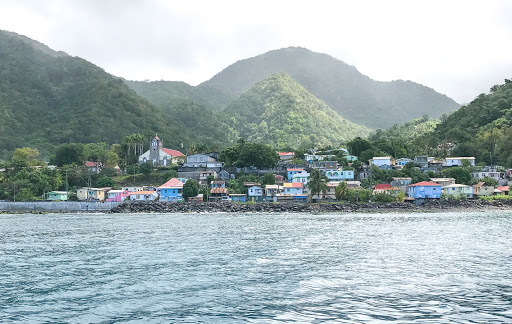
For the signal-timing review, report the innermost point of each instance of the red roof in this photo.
(91, 164)
(285, 153)
(173, 183)
(173, 153)
(383, 186)
(297, 169)
(503, 188)
(156, 137)
(425, 184)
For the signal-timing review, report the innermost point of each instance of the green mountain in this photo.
(49, 97)
(482, 128)
(341, 86)
(160, 93)
(281, 112)
(407, 132)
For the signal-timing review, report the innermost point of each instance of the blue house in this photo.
(255, 193)
(339, 175)
(171, 191)
(291, 172)
(293, 188)
(425, 190)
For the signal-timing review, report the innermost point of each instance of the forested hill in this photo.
(341, 86)
(482, 128)
(48, 98)
(160, 93)
(281, 112)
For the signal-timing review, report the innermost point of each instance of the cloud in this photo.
(459, 48)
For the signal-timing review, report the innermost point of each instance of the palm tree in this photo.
(317, 183)
(341, 191)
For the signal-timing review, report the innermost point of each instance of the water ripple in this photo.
(257, 268)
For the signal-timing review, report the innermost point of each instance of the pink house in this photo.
(118, 195)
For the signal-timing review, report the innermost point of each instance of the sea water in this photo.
(257, 268)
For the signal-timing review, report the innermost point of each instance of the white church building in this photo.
(158, 155)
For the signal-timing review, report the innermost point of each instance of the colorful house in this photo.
(218, 184)
(384, 188)
(57, 196)
(339, 175)
(424, 189)
(480, 189)
(92, 167)
(118, 195)
(171, 191)
(293, 188)
(403, 161)
(301, 177)
(91, 194)
(286, 155)
(143, 195)
(255, 193)
(458, 190)
(503, 190)
(238, 197)
(290, 172)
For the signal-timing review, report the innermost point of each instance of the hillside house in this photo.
(421, 161)
(425, 190)
(443, 181)
(301, 177)
(401, 183)
(203, 161)
(291, 171)
(284, 156)
(402, 161)
(383, 162)
(457, 161)
(157, 155)
(93, 167)
(339, 175)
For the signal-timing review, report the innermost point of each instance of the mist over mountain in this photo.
(353, 95)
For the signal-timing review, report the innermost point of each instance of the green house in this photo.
(58, 195)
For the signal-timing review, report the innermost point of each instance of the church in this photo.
(158, 155)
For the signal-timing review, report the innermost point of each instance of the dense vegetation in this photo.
(482, 128)
(280, 112)
(51, 99)
(352, 94)
(161, 93)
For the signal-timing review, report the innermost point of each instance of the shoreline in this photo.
(448, 205)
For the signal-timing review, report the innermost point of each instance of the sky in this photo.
(458, 48)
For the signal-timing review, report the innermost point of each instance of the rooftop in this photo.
(173, 153)
(293, 185)
(425, 184)
(173, 183)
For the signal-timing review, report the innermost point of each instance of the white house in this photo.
(301, 177)
(457, 161)
(202, 161)
(143, 195)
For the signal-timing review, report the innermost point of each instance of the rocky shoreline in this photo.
(227, 207)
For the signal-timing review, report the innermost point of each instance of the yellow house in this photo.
(91, 194)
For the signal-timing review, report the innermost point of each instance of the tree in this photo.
(490, 181)
(358, 145)
(146, 169)
(461, 175)
(69, 154)
(105, 181)
(268, 179)
(23, 157)
(341, 191)
(245, 154)
(190, 189)
(317, 183)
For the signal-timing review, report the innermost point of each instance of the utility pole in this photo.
(14, 184)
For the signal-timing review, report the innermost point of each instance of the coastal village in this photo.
(292, 177)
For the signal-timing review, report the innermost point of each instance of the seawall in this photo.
(57, 206)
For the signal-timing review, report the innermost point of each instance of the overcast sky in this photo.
(459, 48)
